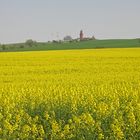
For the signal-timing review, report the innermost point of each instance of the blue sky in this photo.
(44, 20)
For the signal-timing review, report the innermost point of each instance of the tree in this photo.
(67, 38)
(30, 42)
(93, 37)
(3, 47)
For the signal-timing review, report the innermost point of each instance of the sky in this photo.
(44, 20)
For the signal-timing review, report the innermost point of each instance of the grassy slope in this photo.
(116, 43)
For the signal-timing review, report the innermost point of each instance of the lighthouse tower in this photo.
(81, 35)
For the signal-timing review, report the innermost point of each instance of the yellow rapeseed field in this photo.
(70, 95)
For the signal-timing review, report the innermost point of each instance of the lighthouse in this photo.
(81, 35)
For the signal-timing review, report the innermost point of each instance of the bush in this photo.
(21, 46)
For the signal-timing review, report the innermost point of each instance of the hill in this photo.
(90, 44)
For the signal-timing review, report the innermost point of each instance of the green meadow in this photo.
(91, 44)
